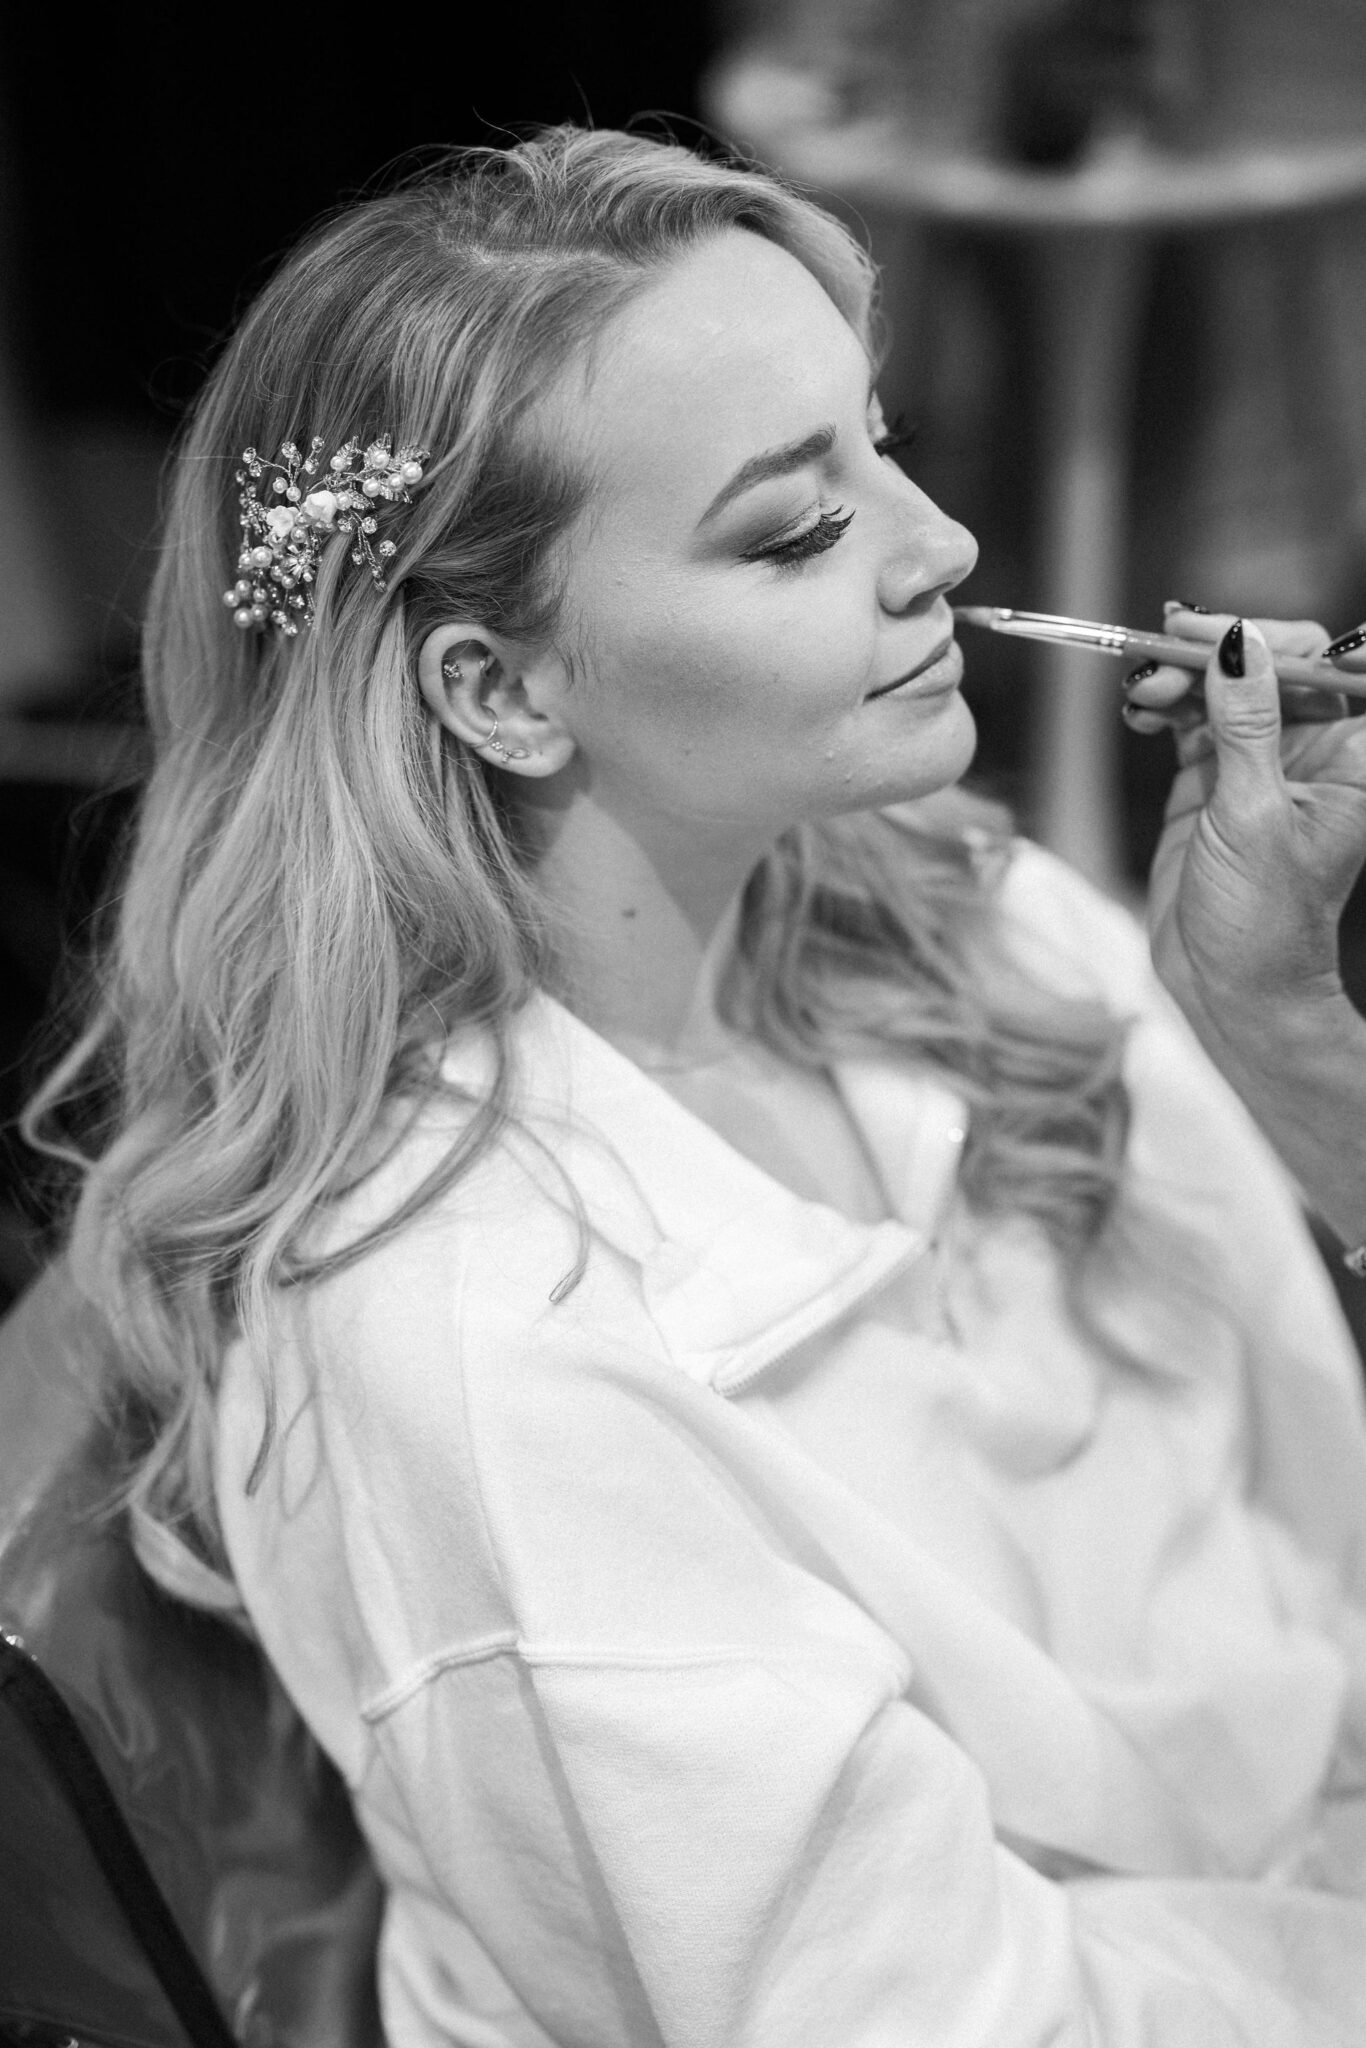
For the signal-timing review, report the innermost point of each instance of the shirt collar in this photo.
(736, 1269)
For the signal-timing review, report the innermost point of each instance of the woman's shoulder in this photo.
(473, 1203)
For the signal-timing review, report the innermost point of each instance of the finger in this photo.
(1348, 651)
(1301, 705)
(1177, 718)
(1243, 701)
(1304, 637)
(1194, 621)
(1155, 685)
(1146, 722)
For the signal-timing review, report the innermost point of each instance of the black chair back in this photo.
(179, 1867)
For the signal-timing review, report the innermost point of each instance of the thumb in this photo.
(1244, 705)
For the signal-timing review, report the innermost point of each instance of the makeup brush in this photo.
(1132, 645)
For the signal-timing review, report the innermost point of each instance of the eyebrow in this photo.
(773, 462)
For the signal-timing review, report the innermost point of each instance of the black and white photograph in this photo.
(683, 1026)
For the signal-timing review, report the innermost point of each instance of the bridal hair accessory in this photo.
(287, 522)
(451, 668)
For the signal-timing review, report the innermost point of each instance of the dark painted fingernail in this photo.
(1346, 643)
(1231, 650)
(1141, 673)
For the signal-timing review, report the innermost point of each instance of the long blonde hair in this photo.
(323, 885)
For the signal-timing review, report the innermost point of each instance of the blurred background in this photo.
(1125, 251)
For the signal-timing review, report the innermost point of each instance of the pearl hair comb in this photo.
(287, 523)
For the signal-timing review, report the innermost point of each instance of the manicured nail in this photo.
(1231, 650)
(1346, 643)
(1141, 673)
(1183, 604)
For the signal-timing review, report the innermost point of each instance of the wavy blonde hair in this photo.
(323, 884)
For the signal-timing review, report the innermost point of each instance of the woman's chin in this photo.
(901, 761)
(935, 755)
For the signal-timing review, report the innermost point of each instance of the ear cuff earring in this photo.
(495, 745)
(452, 669)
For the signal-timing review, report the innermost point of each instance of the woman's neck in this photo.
(644, 923)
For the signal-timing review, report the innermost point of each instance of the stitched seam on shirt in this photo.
(571, 1656)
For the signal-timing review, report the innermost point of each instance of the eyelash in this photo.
(901, 434)
(814, 541)
(830, 526)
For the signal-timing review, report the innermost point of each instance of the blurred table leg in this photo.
(1089, 288)
(38, 640)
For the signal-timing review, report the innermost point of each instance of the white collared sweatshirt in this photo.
(789, 1637)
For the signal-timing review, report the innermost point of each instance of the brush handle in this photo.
(1195, 654)
(1128, 644)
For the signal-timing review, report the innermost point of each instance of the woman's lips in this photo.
(942, 670)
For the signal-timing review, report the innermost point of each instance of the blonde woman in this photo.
(768, 1406)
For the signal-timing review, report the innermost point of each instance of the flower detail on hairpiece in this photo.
(288, 520)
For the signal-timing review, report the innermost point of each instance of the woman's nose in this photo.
(930, 554)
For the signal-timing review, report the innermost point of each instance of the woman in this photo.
(776, 1422)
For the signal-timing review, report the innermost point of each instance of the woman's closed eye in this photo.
(830, 526)
(800, 547)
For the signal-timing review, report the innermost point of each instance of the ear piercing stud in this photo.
(453, 671)
(453, 667)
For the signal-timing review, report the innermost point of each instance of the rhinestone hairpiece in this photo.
(287, 522)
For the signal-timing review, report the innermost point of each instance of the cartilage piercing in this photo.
(452, 669)
(495, 745)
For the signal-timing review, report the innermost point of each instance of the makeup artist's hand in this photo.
(1265, 828)
(1265, 834)
(1160, 699)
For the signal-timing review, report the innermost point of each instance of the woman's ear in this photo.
(474, 685)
